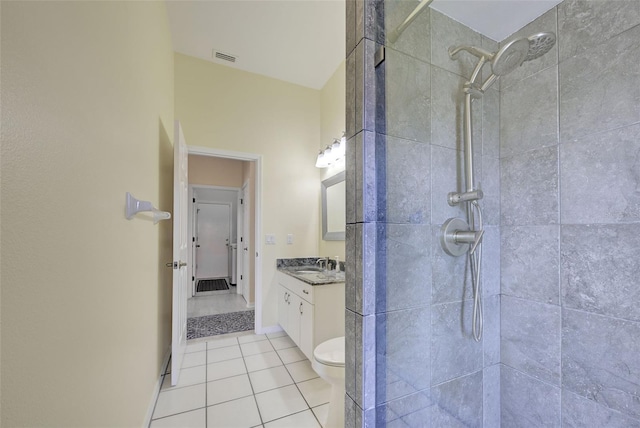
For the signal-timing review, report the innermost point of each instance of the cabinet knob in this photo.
(300, 308)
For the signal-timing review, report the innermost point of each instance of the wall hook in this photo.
(135, 206)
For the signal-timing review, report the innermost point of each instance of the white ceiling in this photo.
(303, 41)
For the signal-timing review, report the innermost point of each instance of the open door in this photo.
(180, 252)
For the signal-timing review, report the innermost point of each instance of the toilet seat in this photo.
(331, 352)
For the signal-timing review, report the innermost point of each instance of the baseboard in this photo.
(156, 389)
(270, 329)
(251, 305)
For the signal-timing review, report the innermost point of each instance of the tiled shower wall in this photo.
(411, 360)
(570, 223)
(563, 229)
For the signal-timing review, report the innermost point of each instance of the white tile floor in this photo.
(243, 380)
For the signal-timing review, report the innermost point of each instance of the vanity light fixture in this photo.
(332, 153)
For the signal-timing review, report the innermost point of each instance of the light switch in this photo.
(290, 239)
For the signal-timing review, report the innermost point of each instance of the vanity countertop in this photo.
(306, 270)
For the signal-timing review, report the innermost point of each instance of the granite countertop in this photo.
(306, 270)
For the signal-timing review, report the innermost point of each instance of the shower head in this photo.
(515, 52)
(510, 56)
(540, 44)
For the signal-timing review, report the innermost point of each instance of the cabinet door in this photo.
(294, 318)
(283, 307)
(305, 310)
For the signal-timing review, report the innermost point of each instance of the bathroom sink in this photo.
(308, 269)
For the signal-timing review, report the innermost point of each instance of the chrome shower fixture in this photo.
(458, 236)
(508, 58)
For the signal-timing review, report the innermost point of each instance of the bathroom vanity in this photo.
(310, 305)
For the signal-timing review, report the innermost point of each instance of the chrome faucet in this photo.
(326, 262)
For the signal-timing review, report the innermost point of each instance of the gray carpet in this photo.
(212, 325)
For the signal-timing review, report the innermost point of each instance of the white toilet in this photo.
(328, 362)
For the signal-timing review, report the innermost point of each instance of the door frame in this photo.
(257, 261)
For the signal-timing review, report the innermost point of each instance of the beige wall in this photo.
(224, 108)
(211, 171)
(87, 97)
(332, 97)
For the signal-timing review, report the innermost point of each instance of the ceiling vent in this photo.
(224, 56)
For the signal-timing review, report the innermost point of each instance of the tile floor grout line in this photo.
(255, 400)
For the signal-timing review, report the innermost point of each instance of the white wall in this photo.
(87, 102)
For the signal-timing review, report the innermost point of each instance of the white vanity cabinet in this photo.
(310, 314)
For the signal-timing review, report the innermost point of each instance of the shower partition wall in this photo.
(560, 274)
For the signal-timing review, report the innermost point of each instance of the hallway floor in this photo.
(214, 304)
(243, 380)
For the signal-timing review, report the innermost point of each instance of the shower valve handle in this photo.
(456, 238)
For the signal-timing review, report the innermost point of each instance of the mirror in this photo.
(334, 208)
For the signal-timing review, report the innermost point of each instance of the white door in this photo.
(213, 230)
(180, 252)
(246, 257)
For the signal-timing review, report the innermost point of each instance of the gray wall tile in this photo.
(491, 123)
(350, 267)
(530, 262)
(491, 330)
(527, 402)
(365, 361)
(600, 360)
(352, 195)
(403, 266)
(579, 412)
(447, 108)
(414, 40)
(407, 96)
(350, 353)
(410, 411)
(544, 23)
(446, 167)
(582, 24)
(350, 409)
(403, 353)
(490, 185)
(365, 87)
(453, 350)
(491, 396)
(600, 269)
(365, 276)
(604, 168)
(350, 95)
(366, 185)
(404, 194)
(369, 20)
(458, 403)
(529, 184)
(529, 113)
(350, 26)
(446, 32)
(490, 274)
(531, 338)
(600, 89)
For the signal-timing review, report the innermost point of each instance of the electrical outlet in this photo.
(270, 239)
(290, 239)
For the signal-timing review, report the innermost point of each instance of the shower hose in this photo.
(475, 260)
